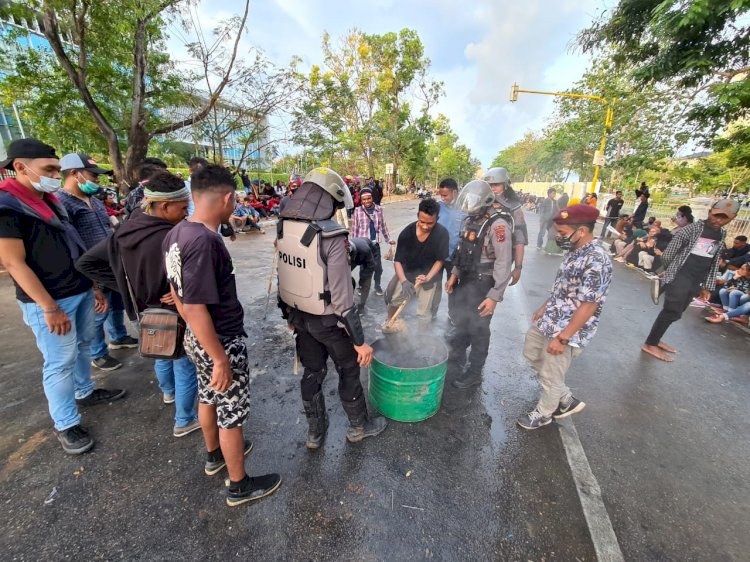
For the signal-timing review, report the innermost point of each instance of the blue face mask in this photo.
(45, 184)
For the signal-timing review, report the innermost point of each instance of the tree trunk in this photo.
(137, 150)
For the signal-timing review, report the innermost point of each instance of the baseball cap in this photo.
(576, 214)
(727, 206)
(81, 161)
(27, 148)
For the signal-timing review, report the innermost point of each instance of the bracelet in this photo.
(519, 267)
(51, 310)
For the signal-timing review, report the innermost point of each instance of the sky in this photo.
(478, 48)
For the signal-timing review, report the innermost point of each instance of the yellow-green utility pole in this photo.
(608, 118)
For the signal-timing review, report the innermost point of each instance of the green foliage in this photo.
(702, 45)
(367, 103)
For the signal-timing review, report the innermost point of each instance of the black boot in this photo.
(361, 425)
(469, 379)
(317, 419)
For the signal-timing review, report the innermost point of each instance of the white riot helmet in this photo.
(331, 183)
(497, 175)
(475, 197)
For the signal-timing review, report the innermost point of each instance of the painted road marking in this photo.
(602, 533)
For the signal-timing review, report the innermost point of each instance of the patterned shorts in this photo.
(232, 405)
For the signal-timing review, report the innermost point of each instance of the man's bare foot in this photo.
(666, 348)
(656, 352)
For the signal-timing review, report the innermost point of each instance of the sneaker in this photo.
(125, 343)
(252, 488)
(106, 363)
(573, 406)
(216, 462)
(533, 420)
(184, 430)
(698, 303)
(379, 291)
(101, 396)
(167, 397)
(75, 440)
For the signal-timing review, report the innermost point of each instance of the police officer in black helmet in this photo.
(317, 299)
(481, 272)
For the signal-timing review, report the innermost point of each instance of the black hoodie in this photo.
(136, 246)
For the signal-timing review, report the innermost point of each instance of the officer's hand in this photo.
(221, 377)
(486, 307)
(407, 288)
(555, 347)
(450, 283)
(364, 354)
(515, 275)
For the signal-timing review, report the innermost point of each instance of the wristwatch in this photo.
(562, 340)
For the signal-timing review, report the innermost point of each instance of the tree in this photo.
(368, 103)
(115, 70)
(448, 157)
(702, 46)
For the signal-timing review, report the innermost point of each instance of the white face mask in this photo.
(45, 184)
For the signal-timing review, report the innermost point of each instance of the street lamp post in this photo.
(608, 118)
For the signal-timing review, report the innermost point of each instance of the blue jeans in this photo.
(732, 298)
(742, 310)
(66, 374)
(178, 377)
(113, 320)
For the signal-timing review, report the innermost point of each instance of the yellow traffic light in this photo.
(514, 93)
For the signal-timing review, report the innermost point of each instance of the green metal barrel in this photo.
(407, 377)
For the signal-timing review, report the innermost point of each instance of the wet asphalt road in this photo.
(667, 443)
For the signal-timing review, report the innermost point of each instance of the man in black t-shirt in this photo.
(691, 261)
(38, 247)
(201, 276)
(612, 209)
(422, 248)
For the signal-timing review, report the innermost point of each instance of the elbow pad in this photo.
(353, 325)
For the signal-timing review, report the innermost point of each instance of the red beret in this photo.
(576, 214)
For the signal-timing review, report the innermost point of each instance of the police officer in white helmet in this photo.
(481, 272)
(507, 200)
(317, 299)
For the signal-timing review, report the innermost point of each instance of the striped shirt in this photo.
(92, 223)
(679, 249)
(360, 225)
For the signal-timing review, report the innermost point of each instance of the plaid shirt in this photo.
(360, 225)
(92, 223)
(679, 249)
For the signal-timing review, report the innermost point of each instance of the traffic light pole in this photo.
(599, 157)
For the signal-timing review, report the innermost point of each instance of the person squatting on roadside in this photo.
(201, 276)
(452, 220)
(418, 265)
(89, 216)
(507, 200)
(481, 272)
(368, 222)
(38, 248)
(316, 298)
(362, 255)
(691, 261)
(132, 263)
(567, 321)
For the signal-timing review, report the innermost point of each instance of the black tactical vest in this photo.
(469, 250)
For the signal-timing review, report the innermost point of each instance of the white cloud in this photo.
(477, 47)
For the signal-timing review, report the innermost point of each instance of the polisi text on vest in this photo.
(294, 261)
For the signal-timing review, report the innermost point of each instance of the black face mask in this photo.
(566, 242)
